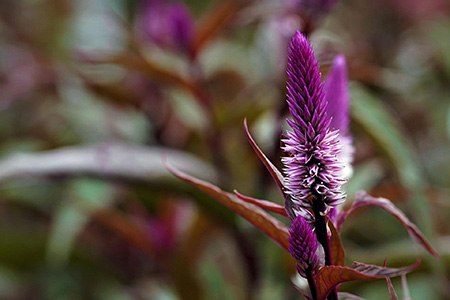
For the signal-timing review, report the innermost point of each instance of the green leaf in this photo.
(86, 196)
(438, 33)
(370, 114)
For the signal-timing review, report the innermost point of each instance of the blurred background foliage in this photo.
(94, 94)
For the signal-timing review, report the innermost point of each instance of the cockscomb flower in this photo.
(313, 172)
(303, 246)
(337, 97)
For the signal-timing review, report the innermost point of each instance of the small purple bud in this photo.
(167, 25)
(303, 246)
(313, 171)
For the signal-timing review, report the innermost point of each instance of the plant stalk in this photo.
(322, 237)
(311, 283)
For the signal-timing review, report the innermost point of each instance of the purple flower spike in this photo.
(337, 96)
(313, 172)
(303, 246)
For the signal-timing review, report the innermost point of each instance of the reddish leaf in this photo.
(214, 21)
(392, 293)
(391, 289)
(379, 271)
(138, 63)
(276, 230)
(126, 228)
(337, 250)
(264, 204)
(329, 277)
(117, 94)
(276, 174)
(363, 199)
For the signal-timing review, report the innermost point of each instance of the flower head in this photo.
(303, 246)
(313, 172)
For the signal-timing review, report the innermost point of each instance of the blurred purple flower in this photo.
(337, 96)
(316, 8)
(303, 246)
(313, 171)
(168, 25)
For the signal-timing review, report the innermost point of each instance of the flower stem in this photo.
(311, 283)
(322, 237)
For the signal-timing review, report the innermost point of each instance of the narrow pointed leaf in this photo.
(379, 271)
(138, 63)
(337, 250)
(216, 20)
(276, 174)
(121, 225)
(264, 204)
(363, 200)
(276, 230)
(392, 293)
(391, 289)
(329, 277)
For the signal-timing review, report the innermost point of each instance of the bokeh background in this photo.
(94, 94)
